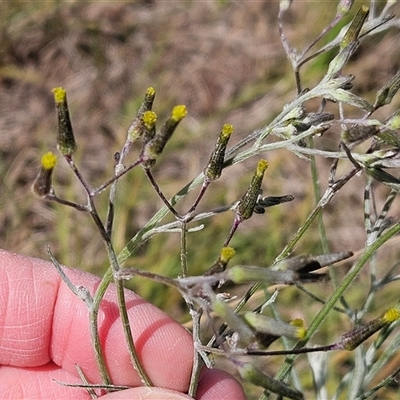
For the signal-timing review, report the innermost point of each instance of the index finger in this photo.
(42, 320)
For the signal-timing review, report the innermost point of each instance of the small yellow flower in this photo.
(248, 202)
(150, 91)
(60, 95)
(391, 315)
(178, 113)
(226, 254)
(42, 185)
(261, 167)
(214, 167)
(301, 330)
(49, 161)
(149, 119)
(227, 130)
(155, 146)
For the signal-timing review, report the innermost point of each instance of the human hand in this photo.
(44, 334)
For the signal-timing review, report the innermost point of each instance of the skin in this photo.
(44, 333)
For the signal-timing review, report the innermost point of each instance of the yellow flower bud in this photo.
(178, 113)
(42, 185)
(49, 160)
(65, 135)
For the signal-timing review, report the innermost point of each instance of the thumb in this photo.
(142, 393)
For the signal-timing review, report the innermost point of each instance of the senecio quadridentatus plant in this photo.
(239, 333)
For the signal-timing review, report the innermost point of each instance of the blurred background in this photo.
(225, 62)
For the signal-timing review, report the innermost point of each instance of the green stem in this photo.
(94, 331)
(317, 194)
(195, 314)
(348, 279)
(325, 199)
(137, 365)
(125, 319)
(121, 306)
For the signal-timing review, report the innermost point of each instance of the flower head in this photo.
(214, 167)
(65, 135)
(352, 339)
(178, 113)
(248, 202)
(154, 147)
(42, 184)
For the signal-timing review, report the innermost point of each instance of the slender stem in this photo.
(123, 312)
(98, 190)
(128, 335)
(77, 206)
(146, 230)
(391, 379)
(94, 310)
(368, 252)
(94, 331)
(184, 266)
(80, 177)
(325, 199)
(317, 194)
(161, 194)
(197, 360)
(237, 221)
(204, 187)
(196, 316)
(317, 299)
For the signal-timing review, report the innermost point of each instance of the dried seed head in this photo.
(264, 202)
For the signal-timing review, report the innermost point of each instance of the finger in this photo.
(146, 393)
(38, 383)
(218, 384)
(45, 383)
(41, 320)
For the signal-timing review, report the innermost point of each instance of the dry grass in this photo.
(223, 60)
